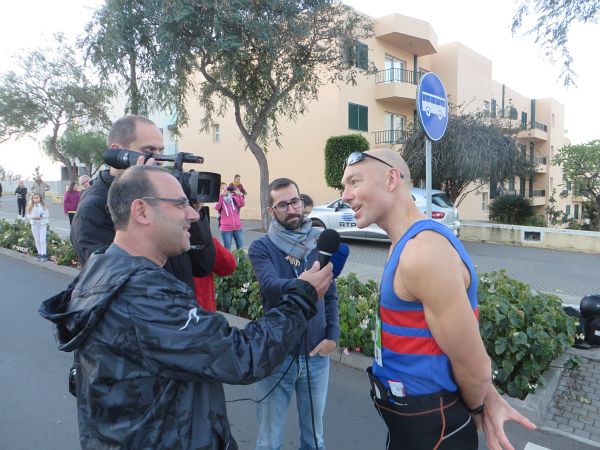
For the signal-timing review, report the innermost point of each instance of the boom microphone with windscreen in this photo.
(328, 243)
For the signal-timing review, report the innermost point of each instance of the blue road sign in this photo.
(432, 106)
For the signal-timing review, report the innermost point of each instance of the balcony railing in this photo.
(538, 193)
(397, 76)
(540, 126)
(539, 160)
(390, 137)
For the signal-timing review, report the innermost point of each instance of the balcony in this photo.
(541, 164)
(535, 132)
(390, 137)
(538, 197)
(397, 86)
(412, 35)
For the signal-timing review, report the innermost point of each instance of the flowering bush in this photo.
(238, 293)
(358, 306)
(17, 236)
(523, 332)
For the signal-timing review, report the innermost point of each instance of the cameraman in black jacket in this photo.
(92, 227)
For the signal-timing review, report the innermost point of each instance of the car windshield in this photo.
(442, 200)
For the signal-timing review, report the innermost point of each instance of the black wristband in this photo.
(477, 410)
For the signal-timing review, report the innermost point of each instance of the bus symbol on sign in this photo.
(431, 103)
(432, 106)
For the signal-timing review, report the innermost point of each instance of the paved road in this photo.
(38, 413)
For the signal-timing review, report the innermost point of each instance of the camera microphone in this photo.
(328, 243)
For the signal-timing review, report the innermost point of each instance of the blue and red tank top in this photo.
(411, 361)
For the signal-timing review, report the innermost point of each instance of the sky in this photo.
(483, 25)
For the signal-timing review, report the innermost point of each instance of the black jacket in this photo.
(92, 229)
(150, 363)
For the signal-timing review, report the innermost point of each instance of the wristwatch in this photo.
(477, 410)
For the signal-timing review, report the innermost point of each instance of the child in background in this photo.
(38, 215)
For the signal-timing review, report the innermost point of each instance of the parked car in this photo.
(340, 217)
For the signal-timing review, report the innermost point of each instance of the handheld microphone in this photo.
(328, 243)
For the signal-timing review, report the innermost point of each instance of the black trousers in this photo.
(21, 205)
(441, 422)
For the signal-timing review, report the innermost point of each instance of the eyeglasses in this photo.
(283, 206)
(179, 202)
(357, 157)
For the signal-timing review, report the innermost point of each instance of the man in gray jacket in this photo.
(150, 363)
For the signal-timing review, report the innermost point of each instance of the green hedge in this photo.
(337, 150)
(523, 330)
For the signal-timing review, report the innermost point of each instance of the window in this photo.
(486, 107)
(513, 114)
(568, 210)
(394, 127)
(484, 201)
(551, 183)
(493, 105)
(576, 212)
(217, 133)
(553, 119)
(552, 151)
(357, 54)
(394, 69)
(523, 120)
(358, 117)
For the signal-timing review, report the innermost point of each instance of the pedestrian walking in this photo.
(38, 214)
(71, 201)
(21, 194)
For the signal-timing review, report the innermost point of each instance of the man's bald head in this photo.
(392, 158)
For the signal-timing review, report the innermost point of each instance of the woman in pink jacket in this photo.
(228, 207)
(71, 201)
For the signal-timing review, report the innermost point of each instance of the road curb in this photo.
(48, 265)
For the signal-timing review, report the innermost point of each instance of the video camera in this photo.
(199, 187)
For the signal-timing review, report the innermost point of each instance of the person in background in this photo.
(84, 182)
(40, 187)
(0, 191)
(228, 207)
(278, 258)
(71, 200)
(308, 203)
(21, 194)
(38, 214)
(236, 183)
(204, 287)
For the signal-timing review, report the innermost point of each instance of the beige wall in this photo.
(466, 75)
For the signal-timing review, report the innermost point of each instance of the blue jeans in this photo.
(272, 410)
(236, 234)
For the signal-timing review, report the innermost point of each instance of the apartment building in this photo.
(381, 107)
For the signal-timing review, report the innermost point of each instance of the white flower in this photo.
(373, 335)
(364, 324)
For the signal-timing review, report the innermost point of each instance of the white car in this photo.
(340, 217)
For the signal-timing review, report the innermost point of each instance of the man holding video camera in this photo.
(93, 228)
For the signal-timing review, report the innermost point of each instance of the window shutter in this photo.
(352, 116)
(363, 118)
(362, 56)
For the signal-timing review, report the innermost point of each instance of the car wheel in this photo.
(317, 223)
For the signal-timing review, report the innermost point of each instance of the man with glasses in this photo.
(281, 256)
(93, 228)
(151, 363)
(431, 377)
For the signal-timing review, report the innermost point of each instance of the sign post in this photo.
(432, 111)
